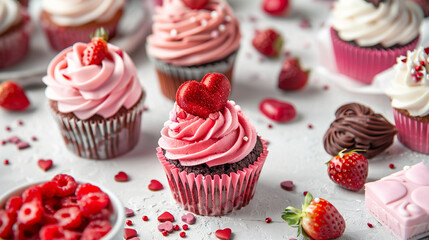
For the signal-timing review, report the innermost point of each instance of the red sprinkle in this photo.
(325, 87)
(22, 145)
(310, 126)
(270, 125)
(370, 225)
(305, 193)
(182, 234)
(6, 162)
(129, 222)
(392, 166)
(145, 218)
(185, 227)
(20, 123)
(33, 138)
(3, 142)
(8, 128)
(145, 108)
(267, 220)
(165, 233)
(176, 227)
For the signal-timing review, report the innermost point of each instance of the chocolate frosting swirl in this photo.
(358, 127)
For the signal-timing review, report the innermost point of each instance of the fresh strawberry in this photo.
(318, 219)
(349, 170)
(268, 42)
(12, 97)
(195, 4)
(96, 50)
(292, 77)
(276, 8)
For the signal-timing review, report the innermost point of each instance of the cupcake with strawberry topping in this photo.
(15, 32)
(67, 22)
(368, 35)
(209, 149)
(96, 98)
(191, 39)
(409, 92)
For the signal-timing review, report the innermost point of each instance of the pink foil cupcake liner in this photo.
(412, 133)
(213, 195)
(15, 45)
(103, 139)
(362, 64)
(62, 37)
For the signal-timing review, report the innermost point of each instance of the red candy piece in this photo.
(66, 185)
(287, 185)
(129, 212)
(85, 188)
(45, 165)
(69, 218)
(12, 97)
(121, 177)
(276, 7)
(155, 185)
(96, 229)
(166, 226)
(195, 4)
(166, 216)
(277, 110)
(223, 234)
(189, 218)
(205, 97)
(185, 227)
(6, 223)
(129, 233)
(93, 203)
(292, 77)
(182, 234)
(30, 213)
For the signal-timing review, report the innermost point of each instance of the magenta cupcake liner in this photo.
(14, 46)
(213, 195)
(104, 139)
(362, 64)
(412, 133)
(62, 37)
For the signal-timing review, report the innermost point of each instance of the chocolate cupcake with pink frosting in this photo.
(189, 41)
(209, 149)
(96, 99)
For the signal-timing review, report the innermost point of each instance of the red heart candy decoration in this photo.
(166, 226)
(223, 234)
(195, 4)
(45, 165)
(121, 177)
(129, 212)
(155, 185)
(166, 216)
(189, 218)
(287, 185)
(205, 97)
(277, 110)
(129, 233)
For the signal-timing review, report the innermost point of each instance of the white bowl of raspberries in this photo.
(61, 208)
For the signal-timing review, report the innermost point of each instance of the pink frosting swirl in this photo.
(95, 89)
(184, 37)
(224, 137)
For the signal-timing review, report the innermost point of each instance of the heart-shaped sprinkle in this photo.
(129, 212)
(195, 4)
(276, 110)
(129, 233)
(189, 218)
(166, 216)
(205, 97)
(287, 185)
(121, 177)
(22, 145)
(45, 165)
(134, 238)
(155, 185)
(223, 234)
(165, 226)
(14, 140)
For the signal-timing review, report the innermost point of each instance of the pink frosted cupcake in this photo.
(190, 41)
(368, 35)
(96, 101)
(409, 92)
(15, 32)
(210, 151)
(66, 22)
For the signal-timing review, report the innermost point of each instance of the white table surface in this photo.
(295, 152)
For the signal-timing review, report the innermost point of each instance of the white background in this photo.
(295, 152)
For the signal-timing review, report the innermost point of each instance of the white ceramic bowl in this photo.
(117, 218)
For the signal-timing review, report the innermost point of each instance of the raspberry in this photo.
(85, 188)
(93, 203)
(66, 185)
(69, 218)
(51, 205)
(48, 189)
(30, 213)
(96, 229)
(70, 201)
(13, 204)
(32, 193)
(51, 232)
(6, 224)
